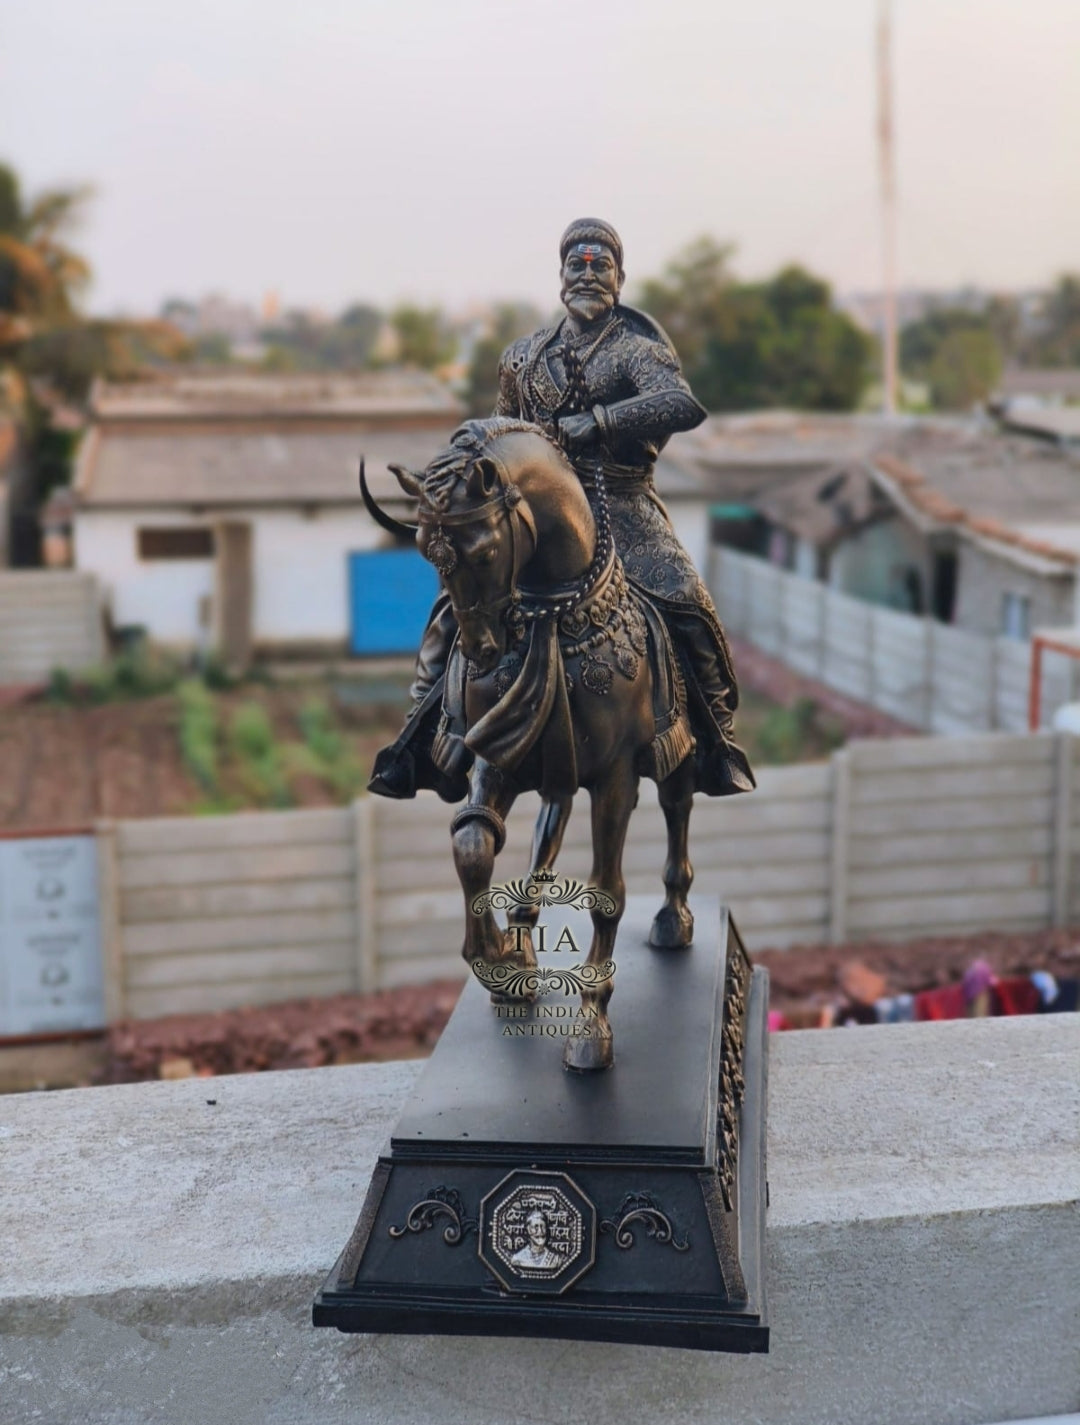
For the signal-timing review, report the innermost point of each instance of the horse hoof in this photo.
(673, 928)
(589, 1051)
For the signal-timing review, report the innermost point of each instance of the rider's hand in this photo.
(577, 430)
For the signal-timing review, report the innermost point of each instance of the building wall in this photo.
(299, 569)
(871, 563)
(983, 581)
(691, 521)
(161, 594)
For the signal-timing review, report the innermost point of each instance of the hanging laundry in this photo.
(895, 1009)
(850, 1014)
(979, 981)
(1067, 1000)
(1015, 994)
(1047, 987)
(949, 1002)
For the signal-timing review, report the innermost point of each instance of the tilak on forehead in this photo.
(588, 237)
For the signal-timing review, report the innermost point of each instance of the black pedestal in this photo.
(520, 1199)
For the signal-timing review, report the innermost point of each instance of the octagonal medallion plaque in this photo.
(537, 1232)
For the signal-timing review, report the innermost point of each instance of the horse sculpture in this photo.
(562, 676)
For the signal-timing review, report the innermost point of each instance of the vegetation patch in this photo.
(198, 734)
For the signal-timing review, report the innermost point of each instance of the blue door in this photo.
(391, 592)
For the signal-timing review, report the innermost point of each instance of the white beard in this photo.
(587, 306)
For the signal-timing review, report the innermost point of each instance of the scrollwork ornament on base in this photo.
(440, 1202)
(642, 1207)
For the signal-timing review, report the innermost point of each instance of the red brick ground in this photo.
(298, 1034)
(774, 680)
(406, 1022)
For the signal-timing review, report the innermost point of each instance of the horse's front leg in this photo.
(613, 799)
(478, 831)
(674, 924)
(547, 843)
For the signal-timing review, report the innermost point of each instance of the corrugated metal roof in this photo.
(997, 486)
(821, 507)
(140, 468)
(243, 395)
(285, 467)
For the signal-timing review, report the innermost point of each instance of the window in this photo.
(1016, 615)
(180, 542)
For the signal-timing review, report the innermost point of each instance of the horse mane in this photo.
(467, 444)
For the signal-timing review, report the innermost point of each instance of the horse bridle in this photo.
(442, 554)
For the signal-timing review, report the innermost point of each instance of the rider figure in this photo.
(606, 382)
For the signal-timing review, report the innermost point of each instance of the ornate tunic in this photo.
(630, 370)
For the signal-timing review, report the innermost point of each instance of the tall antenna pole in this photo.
(886, 159)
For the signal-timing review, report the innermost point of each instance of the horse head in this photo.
(478, 531)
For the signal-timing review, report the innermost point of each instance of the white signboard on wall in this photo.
(51, 975)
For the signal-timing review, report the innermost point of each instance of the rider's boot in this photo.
(725, 765)
(394, 772)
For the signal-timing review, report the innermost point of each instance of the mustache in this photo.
(587, 289)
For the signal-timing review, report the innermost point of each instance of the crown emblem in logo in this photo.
(545, 876)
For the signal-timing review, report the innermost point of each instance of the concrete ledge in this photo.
(160, 1244)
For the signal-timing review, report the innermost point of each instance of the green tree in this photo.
(422, 336)
(746, 345)
(300, 344)
(692, 300)
(1058, 341)
(355, 334)
(957, 352)
(40, 275)
(49, 353)
(965, 370)
(42, 332)
(509, 321)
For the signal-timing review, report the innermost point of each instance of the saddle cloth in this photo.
(529, 732)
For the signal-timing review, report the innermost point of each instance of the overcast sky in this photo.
(340, 150)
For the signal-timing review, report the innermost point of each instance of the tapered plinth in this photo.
(518, 1199)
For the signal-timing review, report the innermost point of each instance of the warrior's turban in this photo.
(591, 230)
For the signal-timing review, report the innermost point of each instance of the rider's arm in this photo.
(663, 403)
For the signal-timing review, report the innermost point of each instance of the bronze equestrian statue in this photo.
(573, 642)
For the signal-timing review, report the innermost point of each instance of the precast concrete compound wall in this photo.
(895, 838)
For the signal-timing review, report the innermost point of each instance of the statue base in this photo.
(519, 1199)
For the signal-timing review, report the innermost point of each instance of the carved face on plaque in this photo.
(537, 1232)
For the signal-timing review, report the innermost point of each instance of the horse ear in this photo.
(411, 482)
(482, 479)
